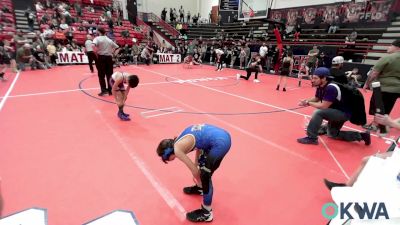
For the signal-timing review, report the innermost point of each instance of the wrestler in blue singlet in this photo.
(214, 143)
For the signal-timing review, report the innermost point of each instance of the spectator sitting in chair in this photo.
(351, 38)
(303, 72)
(354, 77)
(334, 25)
(24, 55)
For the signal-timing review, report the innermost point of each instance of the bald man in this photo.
(89, 51)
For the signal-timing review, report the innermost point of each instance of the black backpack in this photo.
(354, 100)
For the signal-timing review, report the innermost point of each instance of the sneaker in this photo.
(277, 88)
(125, 114)
(308, 141)
(256, 81)
(122, 117)
(330, 184)
(102, 93)
(366, 137)
(284, 89)
(237, 76)
(193, 190)
(200, 215)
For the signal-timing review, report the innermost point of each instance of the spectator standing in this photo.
(312, 58)
(387, 72)
(89, 52)
(337, 71)
(264, 54)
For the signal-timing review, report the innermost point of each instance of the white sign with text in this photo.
(72, 58)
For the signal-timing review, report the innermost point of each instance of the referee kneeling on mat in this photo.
(104, 48)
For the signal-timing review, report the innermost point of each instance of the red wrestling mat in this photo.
(69, 159)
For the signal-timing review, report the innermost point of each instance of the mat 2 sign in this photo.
(169, 58)
(356, 210)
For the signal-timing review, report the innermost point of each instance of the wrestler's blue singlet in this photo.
(214, 143)
(208, 138)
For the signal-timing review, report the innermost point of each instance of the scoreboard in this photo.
(228, 5)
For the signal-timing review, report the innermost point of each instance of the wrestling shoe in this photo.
(123, 117)
(193, 190)
(200, 215)
(308, 141)
(330, 184)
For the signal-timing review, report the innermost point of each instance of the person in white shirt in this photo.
(220, 57)
(89, 51)
(263, 53)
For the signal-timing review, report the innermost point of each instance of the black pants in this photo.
(53, 59)
(249, 71)
(104, 65)
(389, 99)
(91, 57)
(336, 119)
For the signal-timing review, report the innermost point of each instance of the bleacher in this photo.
(80, 36)
(7, 21)
(231, 30)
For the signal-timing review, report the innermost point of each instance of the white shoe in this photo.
(256, 81)
(237, 76)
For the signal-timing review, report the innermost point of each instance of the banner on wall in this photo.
(72, 58)
(169, 58)
(353, 12)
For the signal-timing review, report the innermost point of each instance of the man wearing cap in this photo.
(330, 107)
(337, 72)
(387, 72)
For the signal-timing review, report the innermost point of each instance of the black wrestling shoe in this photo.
(330, 184)
(200, 215)
(193, 190)
(102, 93)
